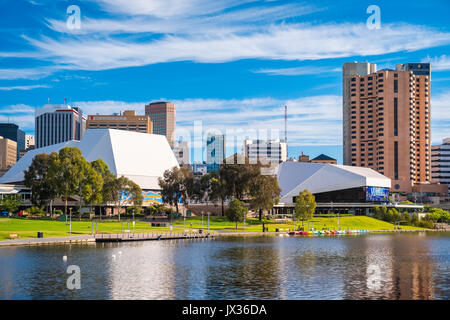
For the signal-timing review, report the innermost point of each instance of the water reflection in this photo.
(359, 267)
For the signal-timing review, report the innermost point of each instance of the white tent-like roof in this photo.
(141, 157)
(294, 177)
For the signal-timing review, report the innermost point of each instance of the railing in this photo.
(151, 236)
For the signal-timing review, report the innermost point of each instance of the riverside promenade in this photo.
(49, 240)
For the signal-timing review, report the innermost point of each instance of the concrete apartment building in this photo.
(181, 152)
(266, 151)
(128, 121)
(56, 123)
(440, 162)
(12, 132)
(8, 154)
(163, 116)
(387, 123)
(29, 141)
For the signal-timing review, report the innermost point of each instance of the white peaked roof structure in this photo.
(294, 177)
(141, 157)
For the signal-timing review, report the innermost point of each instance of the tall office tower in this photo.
(349, 70)
(181, 152)
(163, 116)
(8, 153)
(265, 151)
(215, 151)
(128, 121)
(56, 123)
(12, 132)
(29, 141)
(440, 162)
(387, 116)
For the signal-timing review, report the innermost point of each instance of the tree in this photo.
(174, 186)
(219, 189)
(91, 187)
(305, 205)
(66, 171)
(37, 179)
(108, 192)
(265, 192)
(127, 191)
(10, 203)
(236, 211)
(238, 176)
(90, 184)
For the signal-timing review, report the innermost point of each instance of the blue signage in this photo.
(377, 194)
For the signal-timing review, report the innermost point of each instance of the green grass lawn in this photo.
(28, 228)
(348, 222)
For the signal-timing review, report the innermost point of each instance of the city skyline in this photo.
(241, 80)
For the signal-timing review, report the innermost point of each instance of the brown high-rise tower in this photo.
(163, 116)
(387, 122)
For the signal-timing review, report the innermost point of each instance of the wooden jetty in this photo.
(120, 237)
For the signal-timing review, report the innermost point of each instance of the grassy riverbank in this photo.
(28, 228)
(252, 225)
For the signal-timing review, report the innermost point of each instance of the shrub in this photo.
(36, 211)
(426, 224)
(268, 217)
(57, 212)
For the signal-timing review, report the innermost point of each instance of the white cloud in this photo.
(30, 87)
(277, 42)
(441, 63)
(30, 73)
(296, 71)
(167, 8)
(440, 117)
(310, 119)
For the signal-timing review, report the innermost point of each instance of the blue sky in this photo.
(231, 64)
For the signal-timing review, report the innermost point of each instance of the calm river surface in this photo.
(379, 266)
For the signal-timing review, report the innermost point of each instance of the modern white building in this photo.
(440, 162)
(56, 123)
(181, 152)
(215, 151)
(141, 157)
(265, 151)
(337, 188)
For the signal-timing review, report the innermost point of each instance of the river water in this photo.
(378, 266)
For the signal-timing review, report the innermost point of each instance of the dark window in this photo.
(395, 160)
(395, 117)
(395, 85)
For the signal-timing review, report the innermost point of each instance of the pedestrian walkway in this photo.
(49, 240)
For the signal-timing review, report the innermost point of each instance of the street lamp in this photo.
(202, 220)
(70, 221)
(208, 220)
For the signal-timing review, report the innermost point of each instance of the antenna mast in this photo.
(285, 124)
(285, 129)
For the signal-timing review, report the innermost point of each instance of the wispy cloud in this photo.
(441, 63)
(30, 87)
(309, 122)
(276, 42)
(296, 71)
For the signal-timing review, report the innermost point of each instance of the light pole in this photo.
(208, 220)
(202, 220)
(70, 221)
